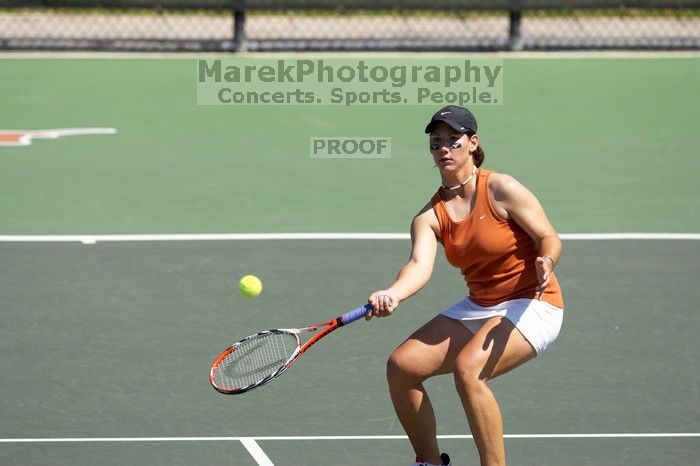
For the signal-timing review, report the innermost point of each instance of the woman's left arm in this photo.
(518, 203)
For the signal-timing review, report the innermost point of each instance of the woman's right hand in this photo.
(384, 303)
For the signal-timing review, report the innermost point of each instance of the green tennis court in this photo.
(107, 340)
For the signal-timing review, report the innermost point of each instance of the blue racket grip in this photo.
(355, 314)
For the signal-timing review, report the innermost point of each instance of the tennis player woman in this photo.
(495, 231)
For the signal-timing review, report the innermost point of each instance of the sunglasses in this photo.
(454, 146)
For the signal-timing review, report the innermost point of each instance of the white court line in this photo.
(251, 445)
(623, 236)
(514, 436)
(335, 437)
(256, 452)
(92, 239)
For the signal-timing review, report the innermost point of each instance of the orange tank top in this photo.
(496, 256)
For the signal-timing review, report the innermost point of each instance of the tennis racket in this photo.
(260, 358)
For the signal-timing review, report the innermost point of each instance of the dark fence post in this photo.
(515, 41)
(239, 43)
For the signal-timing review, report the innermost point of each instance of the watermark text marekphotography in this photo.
(348, 82)
(350, 147)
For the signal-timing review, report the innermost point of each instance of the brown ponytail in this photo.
(478, 154)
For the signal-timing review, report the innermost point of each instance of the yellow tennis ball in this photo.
(250, 286)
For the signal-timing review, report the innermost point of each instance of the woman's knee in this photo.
(401, 365)
(396, 365)
(469, 370)
(429, 351)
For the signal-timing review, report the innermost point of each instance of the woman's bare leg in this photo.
(431, 350)
(495, 349)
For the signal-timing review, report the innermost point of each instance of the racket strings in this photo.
(254, 360)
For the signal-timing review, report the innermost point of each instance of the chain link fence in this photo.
(235, 25)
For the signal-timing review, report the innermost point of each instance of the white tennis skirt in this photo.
(538, 321)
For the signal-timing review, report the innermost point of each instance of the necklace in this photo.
(452, 188)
